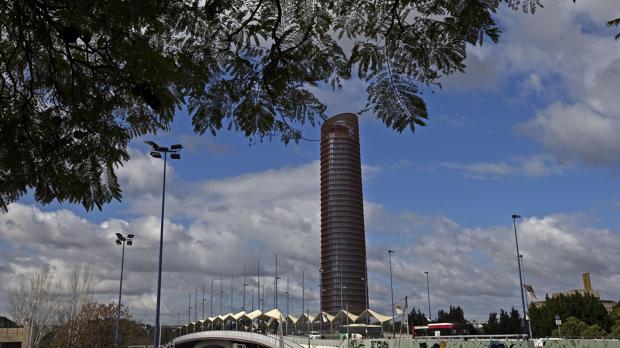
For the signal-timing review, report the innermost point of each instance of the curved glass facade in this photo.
(343, 243)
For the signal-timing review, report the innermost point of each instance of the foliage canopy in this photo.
(585, 309)
(79, 80)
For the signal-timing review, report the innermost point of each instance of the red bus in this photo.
(440, 329)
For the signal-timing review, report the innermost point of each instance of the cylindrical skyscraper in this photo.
(343, 243)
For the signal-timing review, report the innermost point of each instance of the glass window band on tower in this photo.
(343, 243)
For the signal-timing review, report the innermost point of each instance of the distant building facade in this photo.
(586, 291)
(344, 277)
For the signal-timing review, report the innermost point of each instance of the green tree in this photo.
(81, 79)
(615, 331)
(416, 317)
(594, 331)
(586, 308)
(453, 315)
(507, 323)
(571, 327)
(492, 325)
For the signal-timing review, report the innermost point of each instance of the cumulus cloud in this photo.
(535, 166)
(228, 223)
(564, 55)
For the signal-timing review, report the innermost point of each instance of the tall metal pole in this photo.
(211, 301)
(303, 293)
(161, 250)
(320, 300)
(189, 309)
(341, 306)
(392, 291)
(244, 285)
(428, 296)
(287, 297)
(514, 223)
(203, 301)
(221, 293)
(258, 285)
(196, 307)
(275, 295)
(232, 294)
(118, 310)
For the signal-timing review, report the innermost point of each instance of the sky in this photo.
(532, 128)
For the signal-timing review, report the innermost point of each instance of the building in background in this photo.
(344, 278)
(587, 290)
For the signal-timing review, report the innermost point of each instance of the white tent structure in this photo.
(269, 318)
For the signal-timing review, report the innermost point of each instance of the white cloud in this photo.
(231, 222)
(535, 166)
(569, 59)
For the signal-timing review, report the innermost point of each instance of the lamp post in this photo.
(275, 292)
(320, 300)
(514, 223)
(221, 293)
(258, 285)
(244, 286)
(203, 302)
(365, 280)
(428, 296)
(390, 252)
(121, 240)
(174, 154)
(211, 301)
(232, 294)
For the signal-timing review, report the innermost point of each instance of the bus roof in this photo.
(360, 325)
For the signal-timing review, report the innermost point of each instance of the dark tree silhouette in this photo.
(80, 79)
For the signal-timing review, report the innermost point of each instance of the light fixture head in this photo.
(175, 156)
(130, 242)
(515, 216)
(152, 143)
(130, 236)
(118, 242)
(176, 147)
(162, 149)
(155, 154)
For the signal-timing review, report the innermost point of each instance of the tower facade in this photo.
(344, 278)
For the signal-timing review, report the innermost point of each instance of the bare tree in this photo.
(79, 292)
(36, 304)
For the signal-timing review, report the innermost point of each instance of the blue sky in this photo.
(531, 128)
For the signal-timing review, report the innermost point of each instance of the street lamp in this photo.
(174, 154)
(428, 295)
(514, 223)
(320, 300)
(121, 240)
(390, 252)
(366, 293)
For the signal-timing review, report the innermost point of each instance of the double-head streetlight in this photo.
(390, 252)
(121, 240)
(156, 152)
(514, 223)
(428, 296)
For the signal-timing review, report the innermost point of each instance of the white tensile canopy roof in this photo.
(379, 317)
(255, 314)
(276, 315)
(343, 313)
